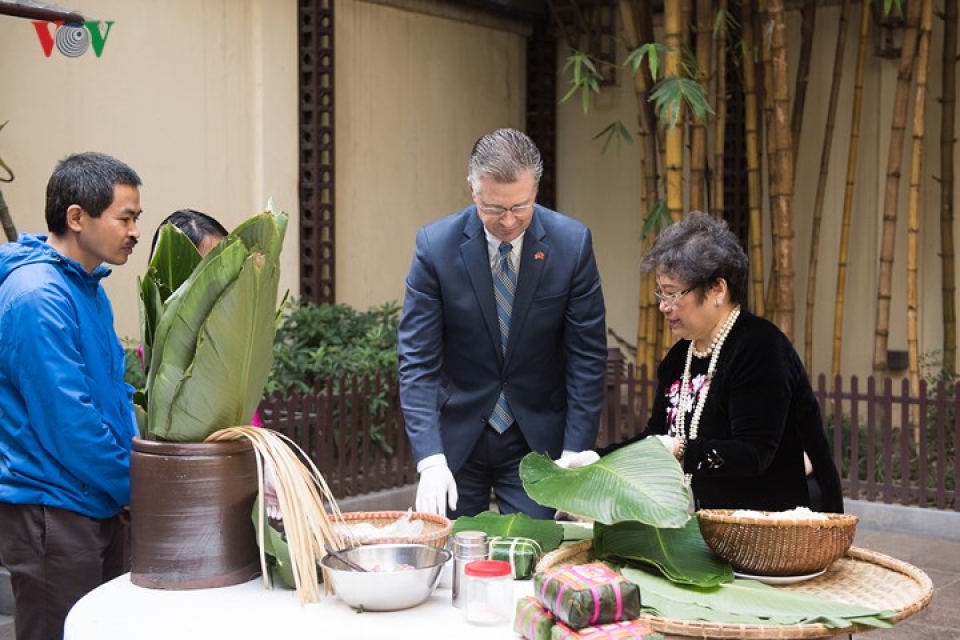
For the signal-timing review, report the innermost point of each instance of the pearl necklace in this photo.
(685, 386)
(717, 339)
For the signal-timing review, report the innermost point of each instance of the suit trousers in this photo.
(494, 464)
(55, 557)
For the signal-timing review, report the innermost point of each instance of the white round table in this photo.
(119, 610)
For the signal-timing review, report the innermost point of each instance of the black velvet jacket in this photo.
(760, 416)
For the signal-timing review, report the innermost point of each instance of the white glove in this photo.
(437, 488)
(576, 459)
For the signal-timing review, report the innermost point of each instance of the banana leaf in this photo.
(641, 481)
(681, 555)
(151, 306)
(174, 259)
(748, 602)
(178, 332)
(223, 384)
(211, 343)
(547, 533)
(274, 545)
(263, 232)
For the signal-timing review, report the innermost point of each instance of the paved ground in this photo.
(933, 552)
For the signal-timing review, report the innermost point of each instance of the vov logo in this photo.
(73, 39)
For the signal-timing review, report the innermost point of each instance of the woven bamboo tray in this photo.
(436, 529)
(861, 577)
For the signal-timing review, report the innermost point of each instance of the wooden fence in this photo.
(903, 450)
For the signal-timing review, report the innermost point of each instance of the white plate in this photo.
(780, 579)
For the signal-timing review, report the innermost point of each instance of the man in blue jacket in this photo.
(66, 414)
(502, 338)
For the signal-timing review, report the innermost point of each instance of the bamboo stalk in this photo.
(782, 185)
(752, 140)
(698, 128)
(822, 182)
(891, 192)
(720, 137)
(948, 143)
(807, 29)
(638, 29)
(852, 155)
(673, 136)
(914, 202)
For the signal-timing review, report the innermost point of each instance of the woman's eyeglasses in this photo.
(670, 299)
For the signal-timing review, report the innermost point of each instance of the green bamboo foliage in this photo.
(822, 182)
(891, 192)
(853, 145)
(914, 201)
(948, 143)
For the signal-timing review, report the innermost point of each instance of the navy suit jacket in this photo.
(451, 367)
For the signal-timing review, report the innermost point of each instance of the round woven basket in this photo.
(866, 578)
(777, 546)
(436, 529)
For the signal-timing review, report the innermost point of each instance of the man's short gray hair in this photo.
(504, 155)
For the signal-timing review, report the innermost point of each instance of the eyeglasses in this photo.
(670, 299)
(497, 210)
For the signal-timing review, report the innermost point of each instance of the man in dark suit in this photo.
(502, 338)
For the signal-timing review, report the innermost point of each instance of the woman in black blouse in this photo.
(734, 403)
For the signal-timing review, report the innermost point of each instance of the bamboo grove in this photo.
(680, 55)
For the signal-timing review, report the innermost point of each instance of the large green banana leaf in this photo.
(681, 555)
(151, 306)
(174, 259)
(747, 602)
(212, 346)
(224, 383)
(177, 334)
(641, 481)
(263, 232)
(196, 296)
(547, 533)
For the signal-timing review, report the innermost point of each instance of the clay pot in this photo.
(190, 506)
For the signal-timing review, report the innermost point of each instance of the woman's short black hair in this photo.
(196, 225)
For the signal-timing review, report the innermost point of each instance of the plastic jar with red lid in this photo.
(488, 592)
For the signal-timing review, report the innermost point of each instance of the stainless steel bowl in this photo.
(398, 576)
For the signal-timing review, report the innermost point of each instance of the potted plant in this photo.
(207, 328)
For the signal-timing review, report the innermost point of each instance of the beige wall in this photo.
(603, 190)
(414, 90)
(201, 98)
(198, 96)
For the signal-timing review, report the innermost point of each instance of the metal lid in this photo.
(466, 540)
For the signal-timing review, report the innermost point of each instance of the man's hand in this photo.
(437, 488)
(576, 459)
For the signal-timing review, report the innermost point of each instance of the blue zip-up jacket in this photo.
(66, 414)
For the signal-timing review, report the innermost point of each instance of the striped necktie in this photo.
(504, 284)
